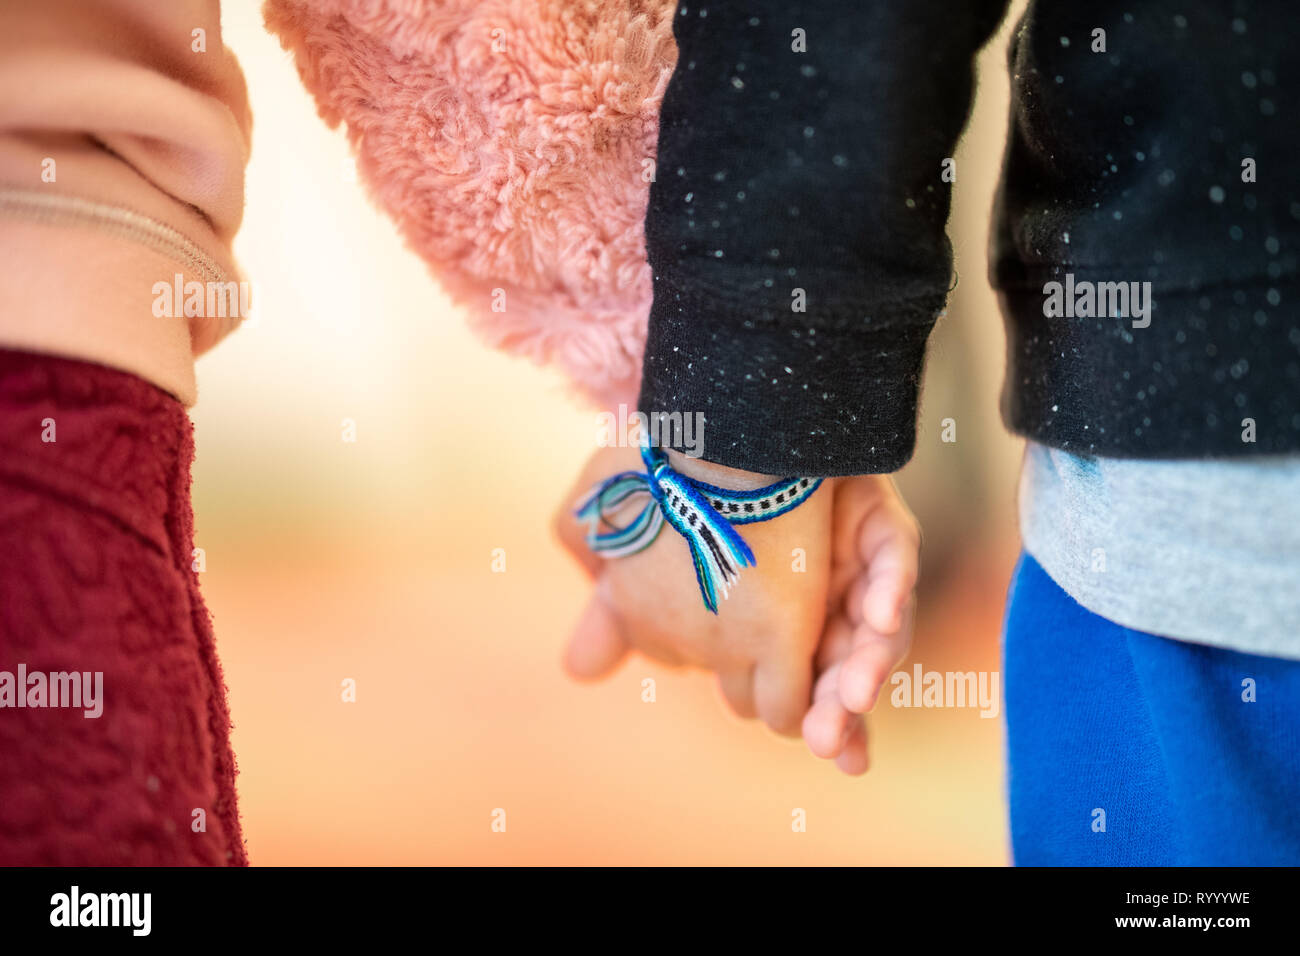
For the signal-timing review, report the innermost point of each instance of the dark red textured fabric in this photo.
(96, 539)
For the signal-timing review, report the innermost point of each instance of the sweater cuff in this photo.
(820, 416)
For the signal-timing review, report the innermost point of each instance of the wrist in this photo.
(720, 475)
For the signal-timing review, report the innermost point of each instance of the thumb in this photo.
(597, 646)
(572, 534)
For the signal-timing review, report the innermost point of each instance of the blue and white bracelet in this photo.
(703, 514)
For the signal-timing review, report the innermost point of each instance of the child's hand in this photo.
(834, 579)
(869, 615)
(762, 641)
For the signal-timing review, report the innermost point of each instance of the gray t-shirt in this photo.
(1199, 551)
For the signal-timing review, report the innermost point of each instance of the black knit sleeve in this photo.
(796, 224)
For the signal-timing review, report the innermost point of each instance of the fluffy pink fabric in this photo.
(511, 140)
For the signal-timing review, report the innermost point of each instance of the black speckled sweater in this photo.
(796, 227)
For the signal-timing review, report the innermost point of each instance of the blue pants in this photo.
(1129, 749)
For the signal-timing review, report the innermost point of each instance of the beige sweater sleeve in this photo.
(124, 132)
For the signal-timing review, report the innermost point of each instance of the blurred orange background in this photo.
(373, 561)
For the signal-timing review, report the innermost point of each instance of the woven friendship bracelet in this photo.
(703, 514)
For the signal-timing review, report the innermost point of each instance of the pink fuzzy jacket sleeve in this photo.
(124, 132)
(513, 142)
